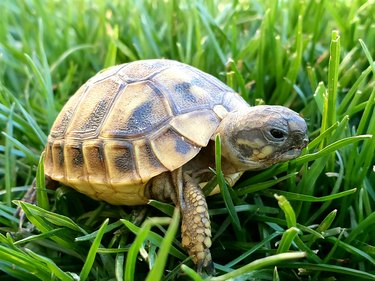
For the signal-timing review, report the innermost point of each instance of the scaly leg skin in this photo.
(196, 227)
(29, 197)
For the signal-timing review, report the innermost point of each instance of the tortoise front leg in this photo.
(196, 226)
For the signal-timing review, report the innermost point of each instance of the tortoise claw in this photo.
(206, 264)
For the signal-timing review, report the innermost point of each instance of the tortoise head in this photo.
(262, 136)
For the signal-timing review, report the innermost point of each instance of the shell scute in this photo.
(143, 70)
(189, 124)
(148, 165)
(93, 153)
(172, 149)
(190, 90)
(57, 154)
(139, 109)
(63, 120)
(48, 159)
(74, 163)
(90, 113)
(119, 157)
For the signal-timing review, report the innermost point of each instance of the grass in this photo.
(310, 219)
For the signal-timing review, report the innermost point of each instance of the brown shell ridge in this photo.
(144, 79)
(127, 79)
(95, 79)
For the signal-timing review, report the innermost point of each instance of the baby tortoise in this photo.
(145, 130)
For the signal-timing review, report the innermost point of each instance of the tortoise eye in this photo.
(277, 134)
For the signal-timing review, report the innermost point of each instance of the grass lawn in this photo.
(312, 218)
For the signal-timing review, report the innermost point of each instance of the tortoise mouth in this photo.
(291, 154)
(295, 151)
(260, 164)
(285, 156)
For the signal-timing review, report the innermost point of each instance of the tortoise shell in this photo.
(132, 122)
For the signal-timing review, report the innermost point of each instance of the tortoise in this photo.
(145, 130)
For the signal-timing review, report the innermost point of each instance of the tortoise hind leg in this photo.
(30, 197)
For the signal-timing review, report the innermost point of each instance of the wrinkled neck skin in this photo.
(199, 167)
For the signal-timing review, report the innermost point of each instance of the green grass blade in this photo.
(93, 234)
(43, 217)
(92, 252)
(343, 271)
(322, 227)
(26, 152)
(208, 23)
(39, 236)
(353, 250)
(331, 148)
(367, 223)
(290, 216)
(166, 208)
(287, 240)
(244, 188)
(308, 198)
(9, 161)
(260, 263)
(239, 78)
(55, 270)
(333, 73)
(112, 49)
(253, 249)
(22, 265)
(156, 272)
(191, 273)
(66, 54)
(153, 237)
(134, 248)
(225, 192)
(320, 100)
(41, 191)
